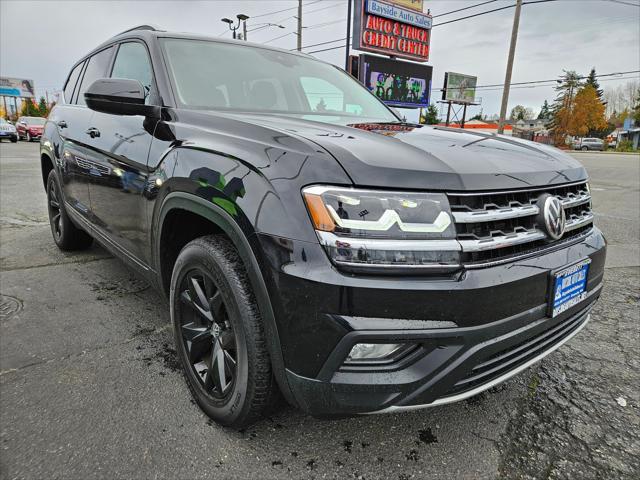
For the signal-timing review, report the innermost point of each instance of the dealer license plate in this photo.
(569, 287)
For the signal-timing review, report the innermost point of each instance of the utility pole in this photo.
(346, 57)
(299, 25)
(507, 78)
(244, 30)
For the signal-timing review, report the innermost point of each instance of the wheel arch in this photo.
(221, 222)
(46, 165)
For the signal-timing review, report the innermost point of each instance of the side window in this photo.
(71, 83)
(96, 68)
(132, 62)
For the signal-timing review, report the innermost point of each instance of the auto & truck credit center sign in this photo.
(389, 29)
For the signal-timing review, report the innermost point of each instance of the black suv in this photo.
(308, 240)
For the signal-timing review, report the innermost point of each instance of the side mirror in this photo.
(118, 96)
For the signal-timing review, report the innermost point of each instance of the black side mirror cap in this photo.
(119, 96)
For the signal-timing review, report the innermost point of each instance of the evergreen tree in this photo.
(545, 112)
(42, 107)
(566, 90)
(430, 117)
(592, 80)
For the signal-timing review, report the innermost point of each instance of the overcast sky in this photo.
(39, 40)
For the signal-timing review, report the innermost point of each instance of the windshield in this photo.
(3, 121)
(34, 120)
(221, 76)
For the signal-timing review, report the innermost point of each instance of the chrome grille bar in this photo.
(491, 215)
(579, 221)
(520, 237)
(501, 241)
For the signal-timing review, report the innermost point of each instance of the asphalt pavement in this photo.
(90, 386)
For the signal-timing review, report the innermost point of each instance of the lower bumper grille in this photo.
(510, 358)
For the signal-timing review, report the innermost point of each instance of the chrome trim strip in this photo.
(568, 202)
(488, 385)
(329, 239)
(498, 214)
(552, 247)
(523, 190)
(501, 241)
(382, 266)
(579, 222)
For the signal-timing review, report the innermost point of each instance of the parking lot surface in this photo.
(90, 386)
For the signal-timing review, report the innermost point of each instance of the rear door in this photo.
(120, 147)
(72, 119)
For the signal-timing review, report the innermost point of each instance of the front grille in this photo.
(497, 364)
(494, 226)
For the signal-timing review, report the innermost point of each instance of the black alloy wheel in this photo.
(219, 333)
(55, 213)
(207, 334)
(66, 235)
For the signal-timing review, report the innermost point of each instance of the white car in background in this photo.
(8, 130)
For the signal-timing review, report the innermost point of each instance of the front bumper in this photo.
(469, 331)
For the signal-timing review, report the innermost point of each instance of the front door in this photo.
(120, 147)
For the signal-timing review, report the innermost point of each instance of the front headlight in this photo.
(396, 232)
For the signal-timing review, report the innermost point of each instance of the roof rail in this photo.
(153, 28)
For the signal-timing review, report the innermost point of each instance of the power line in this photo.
(435, 25)
(283, 10)
(555, 79)
(465, 8)
(281, 36)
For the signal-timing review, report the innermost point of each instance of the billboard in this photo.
(386, 28)
(459, 88)
(16, 87)
(396, 83)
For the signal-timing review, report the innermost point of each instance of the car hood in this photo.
(422, 157)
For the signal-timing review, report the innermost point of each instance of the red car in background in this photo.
(30, 128)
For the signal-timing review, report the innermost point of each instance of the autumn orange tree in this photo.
(587, 113)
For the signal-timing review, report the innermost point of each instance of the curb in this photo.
(637, 152)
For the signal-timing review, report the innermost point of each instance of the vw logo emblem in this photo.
(552, 216)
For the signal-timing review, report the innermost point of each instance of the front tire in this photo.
(14, 139)
(219, 334)
(28, 137)
(66, 235)
(584, 149)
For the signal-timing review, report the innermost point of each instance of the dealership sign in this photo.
(16, 87)
(386, 28)
(382, 9)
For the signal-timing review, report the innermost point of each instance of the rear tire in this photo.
(219, 333)
(28, 137)
(584, 149)
(66, 235)
(14, 139)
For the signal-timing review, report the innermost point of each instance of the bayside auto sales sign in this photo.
(389, 29)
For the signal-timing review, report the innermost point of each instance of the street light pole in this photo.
(507, 78)
(299, 25)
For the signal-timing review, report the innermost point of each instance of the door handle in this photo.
(62, 124)
(93, 132)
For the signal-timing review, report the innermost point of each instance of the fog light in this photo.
(372, 351)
